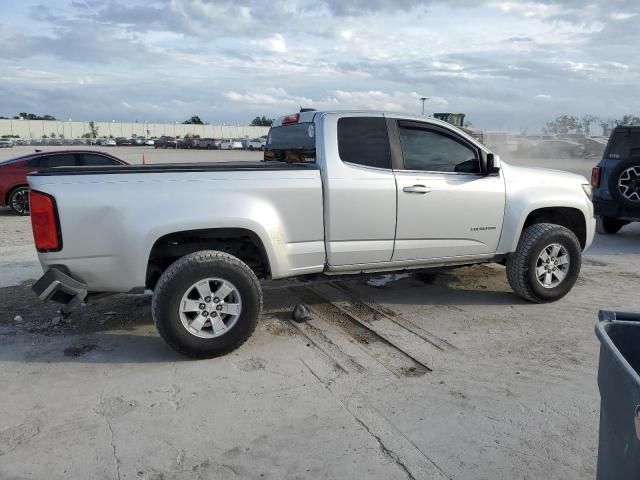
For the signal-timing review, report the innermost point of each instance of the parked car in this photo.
(231, 144)
(165, 142)
(14, 191)
(109, 142)
(208, 143)
(616, 181)
(257, 144)
(342, 193)
(557, 148)
(6, 143)
(121, 141)
(187, 142)
(150, 142)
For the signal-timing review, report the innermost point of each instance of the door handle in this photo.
(416, 189)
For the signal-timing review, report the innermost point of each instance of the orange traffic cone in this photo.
(144, 159)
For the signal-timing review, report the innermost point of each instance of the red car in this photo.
(14, 191)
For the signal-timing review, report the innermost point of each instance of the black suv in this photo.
(616, 181)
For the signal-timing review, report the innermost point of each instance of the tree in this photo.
(195, 120)
(33, 116)
(586, 122)
(53, 135)
(563, 125)
(93, 129)
(628, 120)
(261, 122)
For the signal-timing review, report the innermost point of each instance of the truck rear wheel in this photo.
(546, 263)
(206, 304)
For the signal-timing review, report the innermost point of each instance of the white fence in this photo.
(70, 129)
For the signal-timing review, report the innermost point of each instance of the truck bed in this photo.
(175, 167)
(111, 216)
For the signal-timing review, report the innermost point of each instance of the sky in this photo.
(509, 65)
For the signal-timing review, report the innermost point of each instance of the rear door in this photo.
(360, 190)
(446, 206)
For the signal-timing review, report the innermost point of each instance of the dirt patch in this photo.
(24, 313)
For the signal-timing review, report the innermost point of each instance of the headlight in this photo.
(588, 191)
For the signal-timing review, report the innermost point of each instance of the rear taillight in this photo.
(595, 177)
(44, 222)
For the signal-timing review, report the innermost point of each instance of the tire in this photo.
(627, 174)
(609, 225)
(177, 284)
(523, 264)
(18, 200)
(251, 148)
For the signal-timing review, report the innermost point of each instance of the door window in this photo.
(433, 151)
(97, 160)
(364, 141)
(62, 160)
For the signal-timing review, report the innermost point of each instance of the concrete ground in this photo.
(439, 375)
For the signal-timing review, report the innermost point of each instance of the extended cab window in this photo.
(434, 151)
(292, 143)
(364, 141)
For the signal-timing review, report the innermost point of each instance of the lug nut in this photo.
(216, 300)
(207, 299)
(205, 313)
(219, 307)
(202, 306)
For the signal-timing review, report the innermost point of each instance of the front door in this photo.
(446, 206)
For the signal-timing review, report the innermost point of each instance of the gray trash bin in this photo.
(619, 384)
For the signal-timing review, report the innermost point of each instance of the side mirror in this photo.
(491, 165)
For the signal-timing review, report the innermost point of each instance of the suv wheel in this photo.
(609, 225)
(546, 263)
(207, 304)
(19, 200)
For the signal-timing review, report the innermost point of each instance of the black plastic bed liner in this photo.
(175, 167)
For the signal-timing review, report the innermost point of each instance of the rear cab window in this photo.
(292, 143)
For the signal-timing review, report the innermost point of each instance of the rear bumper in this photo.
(57, 286)
(614, 210)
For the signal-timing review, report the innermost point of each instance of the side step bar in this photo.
(57, 286)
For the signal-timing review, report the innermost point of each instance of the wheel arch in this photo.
(242, 243)
(569, 217)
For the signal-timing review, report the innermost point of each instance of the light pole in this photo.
(424, 99)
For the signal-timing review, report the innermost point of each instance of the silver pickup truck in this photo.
(338, 193)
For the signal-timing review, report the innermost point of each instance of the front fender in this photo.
(528, 194)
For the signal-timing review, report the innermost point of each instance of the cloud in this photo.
(229, 60)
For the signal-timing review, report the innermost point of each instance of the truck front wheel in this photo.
(546, 263)
(206, 304)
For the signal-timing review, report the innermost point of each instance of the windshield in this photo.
(291, 143)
